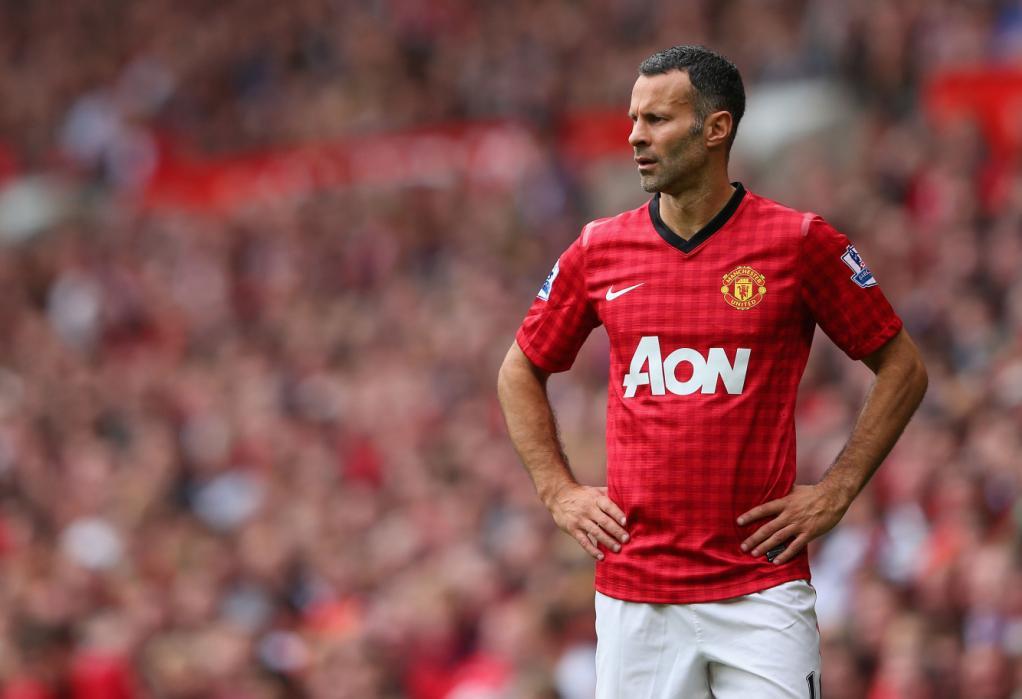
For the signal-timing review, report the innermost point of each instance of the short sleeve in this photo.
(841, 293)
(561, 316)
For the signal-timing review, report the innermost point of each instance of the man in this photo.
(709, 295)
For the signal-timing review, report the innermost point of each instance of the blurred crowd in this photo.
(259, 455)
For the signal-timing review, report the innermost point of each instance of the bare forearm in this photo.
(899, 387)
(584, 512)
(531, 425)
(811, 511)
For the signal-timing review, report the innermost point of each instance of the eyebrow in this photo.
(673, 101)
(647, 112)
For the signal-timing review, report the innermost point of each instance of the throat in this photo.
(687, 215)
(695, 234)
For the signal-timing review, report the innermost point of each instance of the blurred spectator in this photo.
(257, 454)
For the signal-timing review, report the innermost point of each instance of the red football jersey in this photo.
(708, 340)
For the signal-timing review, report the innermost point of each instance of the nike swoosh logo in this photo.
(611, 294)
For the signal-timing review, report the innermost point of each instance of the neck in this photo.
(688, 211)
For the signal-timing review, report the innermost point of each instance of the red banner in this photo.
(501, 153)
(990, 96)
(498, 153)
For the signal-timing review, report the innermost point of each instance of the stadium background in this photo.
(261, 261)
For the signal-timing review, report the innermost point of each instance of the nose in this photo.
(639, 135)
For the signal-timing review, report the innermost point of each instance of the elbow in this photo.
(919, 378)
(906, 362)
(509, 369)
(503, 374)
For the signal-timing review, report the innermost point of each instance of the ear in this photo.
(717, 129)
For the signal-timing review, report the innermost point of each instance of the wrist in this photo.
(841, 493)
(550, 491)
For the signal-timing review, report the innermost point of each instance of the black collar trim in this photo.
(703, 234)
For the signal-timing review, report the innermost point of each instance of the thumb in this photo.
(602, 489)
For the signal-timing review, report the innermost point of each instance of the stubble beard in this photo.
(652, 183)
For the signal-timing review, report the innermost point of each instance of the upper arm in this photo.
(900, 352)
(517, 359)
(841, 293)
(561, 316)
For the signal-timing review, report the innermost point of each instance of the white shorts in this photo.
(763, 645)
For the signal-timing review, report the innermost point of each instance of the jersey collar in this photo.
(703, 234)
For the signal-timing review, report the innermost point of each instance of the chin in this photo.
(649, 184)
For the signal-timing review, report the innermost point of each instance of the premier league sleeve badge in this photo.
(861, 274)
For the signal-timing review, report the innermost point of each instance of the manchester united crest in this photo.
(743, 287)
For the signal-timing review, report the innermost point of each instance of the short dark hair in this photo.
(717, 82)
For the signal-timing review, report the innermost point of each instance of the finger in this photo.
(611, 527)
(583, 539)
(603, 537)
(761, 534)
(611, 508)
(793, 549)
(778, 538)
(606, 527)
(608, 505)
(760, 511)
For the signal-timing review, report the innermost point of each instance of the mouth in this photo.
(644, 162)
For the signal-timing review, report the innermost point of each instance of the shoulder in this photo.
(778, 217)
(604, 230)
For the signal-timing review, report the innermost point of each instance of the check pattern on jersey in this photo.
(706, 357)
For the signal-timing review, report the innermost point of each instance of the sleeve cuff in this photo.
(535, 357)
(881, 338)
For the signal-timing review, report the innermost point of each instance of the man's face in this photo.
(667, 135)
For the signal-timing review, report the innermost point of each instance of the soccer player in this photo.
(710, 295)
